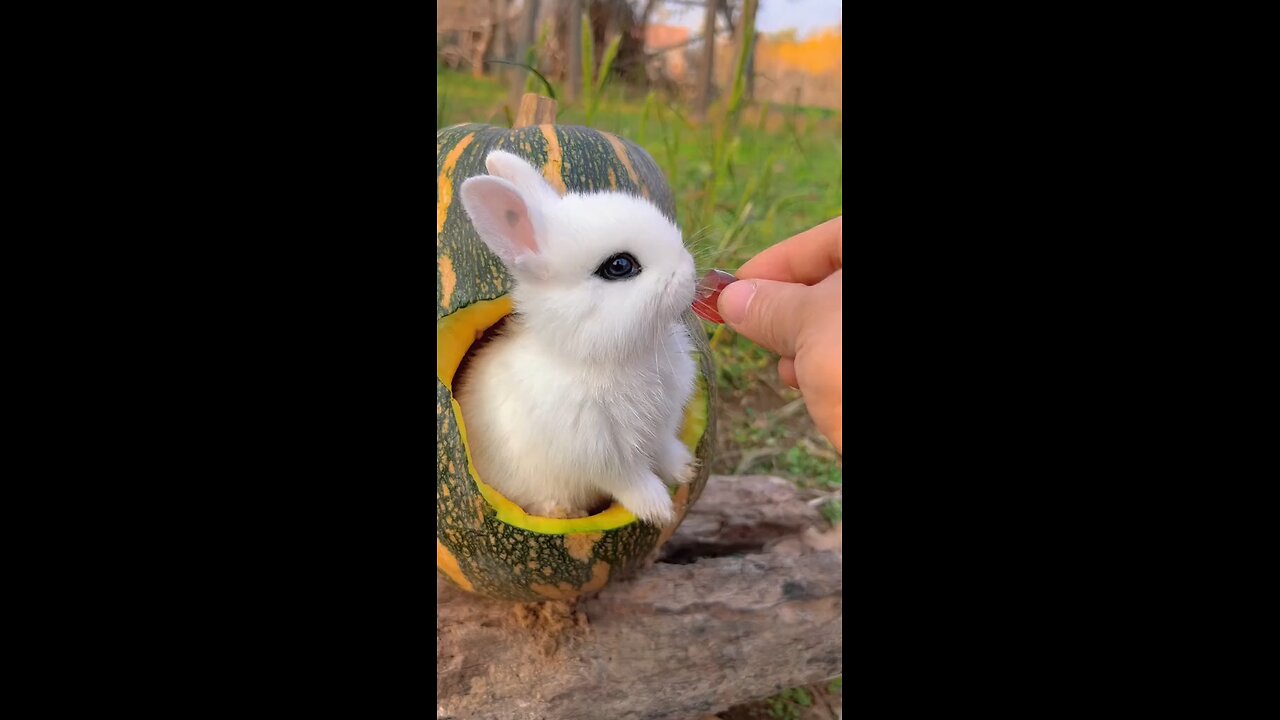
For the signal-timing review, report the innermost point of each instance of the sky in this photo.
(774, 15)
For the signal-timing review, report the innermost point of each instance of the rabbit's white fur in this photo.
(581, 397)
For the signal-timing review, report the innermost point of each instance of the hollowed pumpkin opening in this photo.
(455, 335)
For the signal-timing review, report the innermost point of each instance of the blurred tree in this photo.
(728, 8)
(708, 58)
(500, 48)
(748, 21)
(489, 38)
(572, 48)
(646, 11)
(480, 50)
(525, 34)
(613, 18)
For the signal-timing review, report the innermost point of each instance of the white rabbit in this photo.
(580, 398)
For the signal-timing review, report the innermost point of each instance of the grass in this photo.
(788, 704)
(744, 178)
(814, 701)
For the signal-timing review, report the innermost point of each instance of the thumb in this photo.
(769, 313)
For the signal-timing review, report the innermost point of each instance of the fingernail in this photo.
(734, 301)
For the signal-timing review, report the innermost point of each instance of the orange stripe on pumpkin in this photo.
(580, 545)
(553, 169)
(448, 564)
(621, 151)
(599, 576)
(445, 183)
(559, 591)
(448, 281)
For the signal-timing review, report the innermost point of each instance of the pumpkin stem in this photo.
(535, 110)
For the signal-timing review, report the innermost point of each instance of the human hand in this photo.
(788, 300)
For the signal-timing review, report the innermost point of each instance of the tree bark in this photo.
(745, 600)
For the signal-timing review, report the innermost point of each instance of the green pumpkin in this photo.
(484, 542)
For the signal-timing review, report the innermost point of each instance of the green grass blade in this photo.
(534, 52)
(744, 51)
(679, 115)
(606, 63)
(551, 90)
(764, 117)
(644, 119)
(730, 240)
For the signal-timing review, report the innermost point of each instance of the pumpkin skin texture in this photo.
(484, 542)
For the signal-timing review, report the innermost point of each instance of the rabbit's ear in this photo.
(524, 176)
(502, 218)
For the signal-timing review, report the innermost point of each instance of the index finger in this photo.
(805, 258)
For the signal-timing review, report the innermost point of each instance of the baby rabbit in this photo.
(581, 396)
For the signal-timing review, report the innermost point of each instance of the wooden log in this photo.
(740, 515)
(718, 621)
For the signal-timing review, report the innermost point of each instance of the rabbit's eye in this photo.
(618, 267)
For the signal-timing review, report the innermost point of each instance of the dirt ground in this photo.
(763, 426)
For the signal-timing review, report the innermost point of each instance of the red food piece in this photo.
(708, 295)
